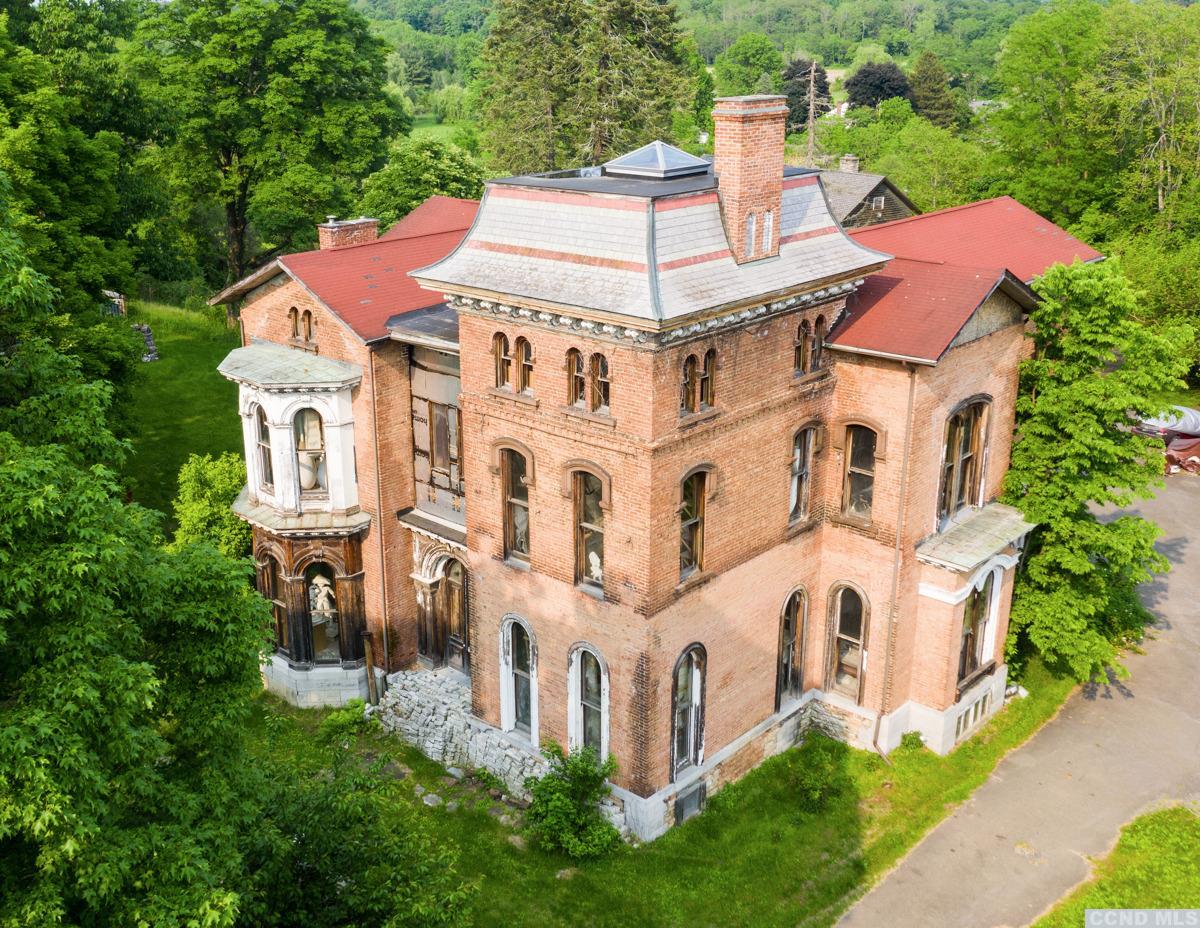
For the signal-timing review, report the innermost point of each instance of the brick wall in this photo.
(748, 159)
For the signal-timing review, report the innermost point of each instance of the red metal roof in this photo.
(991, 233)
(437, 214)
(914, 309)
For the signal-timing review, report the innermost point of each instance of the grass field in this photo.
(753, 857)
(1155, 865)
(426, 126)
(182, 404)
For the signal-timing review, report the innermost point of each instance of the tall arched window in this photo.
(849, 620)
(524, 352)
(273, 589)
(858, 489)
(687, 396)
(294, 321)
(323, 614)
(708, 380)
(750, 237)
(306, 322)
(977, 613)
(588, 694)
(803, 343)
(768, 230)
(600, 383)
(516, 505)
(687, 710)
(576, 380)
(691, 525)
(962, 464)
(502, 359)
(262, 440)
(818, 348)
(310, 452)
(792, 624)
(589, 530)
(802, 454)
(518, 691)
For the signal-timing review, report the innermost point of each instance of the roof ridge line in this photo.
(936, 212)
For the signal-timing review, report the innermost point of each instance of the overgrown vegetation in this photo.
(565, 811)
(207, 488)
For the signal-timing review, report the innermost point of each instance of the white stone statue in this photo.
(595, 567)
(321, 599)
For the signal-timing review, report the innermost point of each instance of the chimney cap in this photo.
(849, 164)
(756, 104)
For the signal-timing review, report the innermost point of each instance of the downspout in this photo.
(387, 651)
(894, 606)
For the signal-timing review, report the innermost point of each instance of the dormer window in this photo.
(310, 452)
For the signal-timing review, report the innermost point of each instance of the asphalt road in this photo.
(1025, 838)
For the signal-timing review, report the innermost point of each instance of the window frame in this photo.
(818, 346)
(333, 616)
(791, 659)
(275, 594)
(693, 658)
(696, 522)
(706, 387)
(577, 379)
(978, 606)
(801, 474)
(579, 479)
(836, 636)
(577, 699)
(848, 469)
(262, 445)
(512, 503)
(688, 402)
(320, 489)
(600, 384)
(802, 361)
(509, 674)
(503, 361)
(524, 359)
(956, 491)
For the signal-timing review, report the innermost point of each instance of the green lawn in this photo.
(753, 858)
(425, 126)
(182, 404)
(1156, 865)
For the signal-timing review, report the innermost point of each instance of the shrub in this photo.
(818, 771)
(911, 741)
(346, 722)
(565, 812)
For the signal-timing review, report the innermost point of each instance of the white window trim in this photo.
(574, 699)
(508, 705)
(768, 230)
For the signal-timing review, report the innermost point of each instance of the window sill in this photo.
(691, 581)
(695, 418)
(590, 589)
(527, 399)
(811, 379)
(587, 415)
(971, 679)
(800, 526)
(517, 563)
(310, 347)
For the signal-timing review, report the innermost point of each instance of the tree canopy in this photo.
(875, 82)
(416, 170)
(931, 94)
(741, 68)
(796, 85)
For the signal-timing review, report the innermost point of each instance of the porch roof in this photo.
(969, 543)
(277, 367)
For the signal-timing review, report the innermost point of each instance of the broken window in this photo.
(306, 321)
(445, 445)
(803, 343)
(802, 453)
(272, 588)
(266, 473)
(687, 397)
(708, 379)
(962, 465)
(688, 710)
(850, 627)
(818, 346)
(516, 505)
(577, 382)
(503, 360)
(521, 658)
(691, 525)
(590, 708)
(976, 612)
(589, 530)
(524, 354)
(294, 321)
(600, 383)
(859, 487)
(791, 647)
(310, 452)
(323, 614)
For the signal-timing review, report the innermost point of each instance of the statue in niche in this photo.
(595, 567)
(322, 602)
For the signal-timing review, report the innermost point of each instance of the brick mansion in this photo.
(660, 457)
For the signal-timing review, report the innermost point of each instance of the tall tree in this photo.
(740, 67)
(416, 170)
(934, 167)
(875, 82)
(275, 110)
(1094, 365)
(797, 78)
(931, 94)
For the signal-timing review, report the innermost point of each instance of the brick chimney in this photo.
(335, 233)
(848, 164)
(748, 160)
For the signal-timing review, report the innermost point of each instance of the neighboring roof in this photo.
(433, 327)
(912, 310)
(991, 233)
(846, 191)
(648, 249)
(984, 532)
(275, 366)
(437, 214)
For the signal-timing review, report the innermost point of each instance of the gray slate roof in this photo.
(275, 366)
(847, 189)
(968, 544)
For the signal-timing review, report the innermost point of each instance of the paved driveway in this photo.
(1023, 839)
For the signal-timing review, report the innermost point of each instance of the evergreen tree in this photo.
(796, 86)
(931, 94)
(739, 69)
(875, 82)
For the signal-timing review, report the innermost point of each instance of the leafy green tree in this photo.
(738, 69)
(931, 94)
(273, 110)
(933, 166)
(418, 169)
(207, 488)
(874, 82)
(1094, 366)
(565, 810)
(796, 86)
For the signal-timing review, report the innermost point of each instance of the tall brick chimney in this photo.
(335, 233)
(748, 160)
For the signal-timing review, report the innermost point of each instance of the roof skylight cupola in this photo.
(656, 161)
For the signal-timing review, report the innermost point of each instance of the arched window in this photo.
(262, 440)
(802, 454)
(962, 464)
(503, 360)
(310, 452)
(977, 612)
(792, 624)
(849, 620)
(750, 237)
(576, 380)
(708, 380)
(691, 525)
(518, 692)
(803, 344)
(323, 614)
(588, 694)
(600, 383)
(687, 710)
(306, 321)
(687, 396)
(768, 230)
(589, 530)
(294, 322)
(524, 352)
(516, 505)
(858, 488)
(272, 588)
(818, 348)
